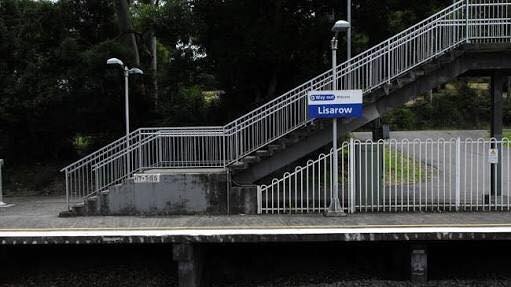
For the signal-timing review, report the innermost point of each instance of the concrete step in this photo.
(445, 60)
(239, 165)
(251, 159)
(79, 209)
(103, 203)
(303, 133)
(66, 213)
(275, 147)
(430, 67)
(289, 140)
(264, 153)
(316, 125)
(401, 82)
(92, 205)
(387, 88)
(417, 73)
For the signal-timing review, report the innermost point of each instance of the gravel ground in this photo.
(263, 265)
(382, 283)
(53, 266)
(120, 275)
(332, 280)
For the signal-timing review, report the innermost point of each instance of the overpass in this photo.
(467, 37)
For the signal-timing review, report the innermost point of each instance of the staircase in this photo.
(467, 36)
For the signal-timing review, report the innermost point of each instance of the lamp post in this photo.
(335, 206)
(127, 73)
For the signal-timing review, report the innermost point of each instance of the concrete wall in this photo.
(177, 192)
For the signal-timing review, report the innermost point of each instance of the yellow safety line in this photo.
(281, 227)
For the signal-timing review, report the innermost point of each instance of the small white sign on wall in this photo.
(146, 178)
(493, 156)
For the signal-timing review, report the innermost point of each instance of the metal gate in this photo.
(398, 176)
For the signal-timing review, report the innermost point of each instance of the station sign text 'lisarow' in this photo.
(334, 104)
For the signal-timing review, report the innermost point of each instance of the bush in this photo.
(458, 107)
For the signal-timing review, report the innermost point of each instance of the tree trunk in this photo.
(124, 21)
(154, 62)
(154, 67)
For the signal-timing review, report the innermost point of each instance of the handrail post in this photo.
(458, 172)
(389, 64)
(96, 176)
(236, 141)
(467, 35)
(352, 175)
(160, 154)
(67, 190)
(224, 148)
(139, 149)
(128, 156)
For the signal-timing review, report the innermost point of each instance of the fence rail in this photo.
(478, 21)
(399, 176)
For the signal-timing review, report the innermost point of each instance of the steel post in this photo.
(127, 115)
(335, 206)
(348, 36)
(351, 176)
(458, 173)
(467, 34)
(67, 190)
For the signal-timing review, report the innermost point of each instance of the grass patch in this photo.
(398, 164)
(395, 162)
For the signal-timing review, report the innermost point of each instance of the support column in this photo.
(497, 87)
(419, 264)
(189, 259)
(380, 130)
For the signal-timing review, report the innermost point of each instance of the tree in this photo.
(257, 48)
(126, 28)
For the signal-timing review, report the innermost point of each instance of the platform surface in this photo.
(34, 220)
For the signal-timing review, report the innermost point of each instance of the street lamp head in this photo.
(340, 26)
(135, 71)
(114, 61)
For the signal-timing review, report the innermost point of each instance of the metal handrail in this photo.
(463, 21)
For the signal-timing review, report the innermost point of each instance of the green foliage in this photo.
(216, 60)
(259, 49)
(399, 168)
(458, 106)
(187, 107)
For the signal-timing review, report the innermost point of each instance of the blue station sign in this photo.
(334, 104)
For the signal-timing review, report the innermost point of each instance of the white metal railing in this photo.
(161, 149)
(480, 21)
(148, 147)
(399, 176)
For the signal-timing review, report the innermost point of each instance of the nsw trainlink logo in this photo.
(325, 97)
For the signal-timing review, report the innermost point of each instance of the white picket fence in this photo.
(398, 176)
